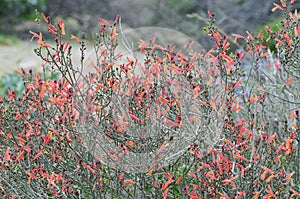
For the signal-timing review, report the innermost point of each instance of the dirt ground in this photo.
(16, 56)
(21, 54)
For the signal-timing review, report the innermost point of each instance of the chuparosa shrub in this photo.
(76, 137)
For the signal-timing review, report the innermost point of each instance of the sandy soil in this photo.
(21, 55)
(16, 56)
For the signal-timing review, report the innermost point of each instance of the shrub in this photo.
(274, 26)
(6, 39)
(14, 81)
(12, 11)
(74, 137)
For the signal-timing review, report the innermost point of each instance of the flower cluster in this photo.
(200, 124)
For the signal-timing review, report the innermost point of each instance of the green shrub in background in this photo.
(13, 10)
(274, 25)
(6, 39)
(183, 6)
(15, 82)
(12, 81)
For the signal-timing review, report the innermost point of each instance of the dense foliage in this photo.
(75, 137)
(13, 10)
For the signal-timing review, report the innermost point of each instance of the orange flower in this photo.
(121, 178)
(170, 122)
(218, 37)
(230, 181)
(20, 156)
(31, 176)
(90, 169)
(165, 195)
(292, 115)
(289, 178)
(38, 155)
(61, 25)
(296, 32)
(238, 156)
(211, 175)
(40, 39)
(179, 179)
(283, 3)
(237, 107)
(45, 45)
(7, 155)
(75, 38)
(170, 180)
(270, 192)
(131, 143)
(176, 69)
(102, 22)
(295, 193)
(276, 7)
(289, 146)
(109, 66)
(135, 118)
(129, 182)
(46, 19)
(269, 178)
(142, 45)
(289, 81)
(212, 104)
(18, 116)
(114, 33)
(35, 35)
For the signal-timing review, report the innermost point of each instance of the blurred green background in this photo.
(233, 16)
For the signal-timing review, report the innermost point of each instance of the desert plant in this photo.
(14, 81)
(274, 26)
(112, 132)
